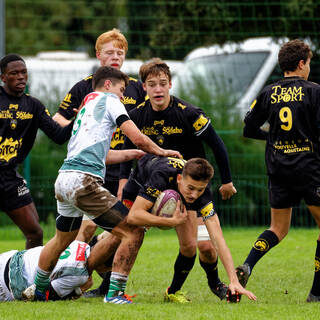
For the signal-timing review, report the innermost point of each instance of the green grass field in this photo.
(281, 281)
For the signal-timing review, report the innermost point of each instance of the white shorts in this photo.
(203, 234)
(79, 193)
(5, 293)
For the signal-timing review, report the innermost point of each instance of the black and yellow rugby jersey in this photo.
(177, 127)
(156, 174)
(20, 119)
(292, 108)
(133, 96)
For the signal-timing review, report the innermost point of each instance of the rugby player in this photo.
(174, 123)
(69, 278)
(191, 179)
(20, 118)
(79, 189)
(291, 107)
(111, 49)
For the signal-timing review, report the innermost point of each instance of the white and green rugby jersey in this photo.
(92, 133)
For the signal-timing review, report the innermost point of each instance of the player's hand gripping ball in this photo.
(166, 204)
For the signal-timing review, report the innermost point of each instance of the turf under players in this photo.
(291, 107)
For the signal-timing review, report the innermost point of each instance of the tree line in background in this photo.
(168, 29)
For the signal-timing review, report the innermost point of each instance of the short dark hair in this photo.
(198, 169)
(154, 67)
(291, 53)
(108, 73)
(8, 58)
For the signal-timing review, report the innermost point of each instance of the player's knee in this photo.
(87, 231)
(207, 251)
(188, 249)
(34, 238)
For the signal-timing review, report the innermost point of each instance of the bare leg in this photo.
(53, 249)
(27, 219)
(131, 241)
(86, 231)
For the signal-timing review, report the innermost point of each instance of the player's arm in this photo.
(211, 138)
(254, 119)
(117, 156)
(139, 215)
(216, 236)
(52, 129)
(143, 142)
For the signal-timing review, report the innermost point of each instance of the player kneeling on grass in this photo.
(190, 179)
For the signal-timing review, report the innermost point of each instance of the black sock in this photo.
(263, 244)
(182, 267)
(104, 286)
(211, 270)
(93, 241)
(315, 290)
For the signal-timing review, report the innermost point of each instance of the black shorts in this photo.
(283, 194)
(14, 192)
(131, 189)
(112, 186)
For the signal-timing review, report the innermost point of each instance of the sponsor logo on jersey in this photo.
(153, 192)
(22, 190)
(13, 106)
(207, 210)
(158, 122)
(182, 106)
(13, 123)
(67, 98)
(160, 140)
(200, 122)
(22, 115)
(81, 252)
(261, 245)
(176, 163)
(117, 139)
(6, 114)
(293, 146)
(128, 100)
(89, 97)
(9, 148)
(286, 94)
(317, 264)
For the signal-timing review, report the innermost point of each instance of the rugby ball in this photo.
(166, 204)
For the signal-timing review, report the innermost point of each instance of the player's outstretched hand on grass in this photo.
(236, 290)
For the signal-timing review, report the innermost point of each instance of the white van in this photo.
(242, 69)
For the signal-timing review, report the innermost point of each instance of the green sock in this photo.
(42, 280)
(118, 283)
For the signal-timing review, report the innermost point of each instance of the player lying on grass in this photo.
(190, 179)
(69, 278)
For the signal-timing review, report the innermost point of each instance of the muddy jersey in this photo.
(20, 119)
(178, 127)
(133, 96)
(292, 108)
(155, 174)
(92, 133)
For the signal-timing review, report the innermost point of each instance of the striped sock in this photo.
(42, 280)
(118, 283)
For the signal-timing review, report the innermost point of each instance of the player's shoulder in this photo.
(182, 104)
